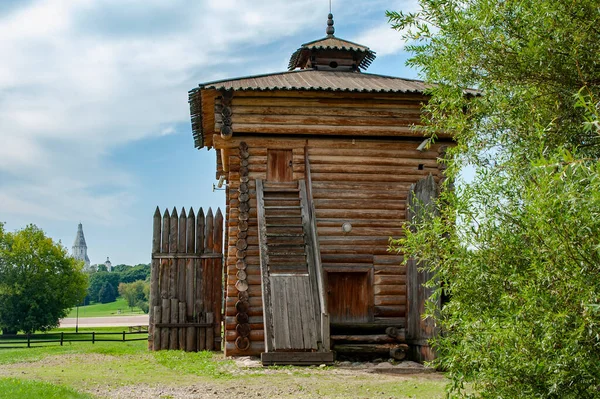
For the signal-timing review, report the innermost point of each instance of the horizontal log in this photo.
(382, 172)
(252, 311)
(368, 349)
(360, 193)
(389, 269)
(413, 177)
(359, 204)
(388, 131)
(391, 259)
(255, 335)
(357, 187)
(357, 159)
(329, 111)
(256, 348)
(389, 289)
(256, 323)
(311, 119)
(372, 338)
(390, 279)
(390, 311)
(353, 249)
(399, 214)
(389, 300)
(360, 231)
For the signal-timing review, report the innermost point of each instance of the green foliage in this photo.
(97, 280)
(39, 281)
(135, 273)
(134, 293)
(518, 247)
(12, 388)
(107, 293)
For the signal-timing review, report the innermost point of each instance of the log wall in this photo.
(362, 182)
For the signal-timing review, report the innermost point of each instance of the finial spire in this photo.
(330, 29)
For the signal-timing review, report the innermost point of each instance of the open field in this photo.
(127, 370)
(119, 307)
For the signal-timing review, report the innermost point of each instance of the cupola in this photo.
(332, 54)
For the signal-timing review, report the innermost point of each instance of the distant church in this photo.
(80, 247)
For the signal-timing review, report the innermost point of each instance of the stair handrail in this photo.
(320, 274)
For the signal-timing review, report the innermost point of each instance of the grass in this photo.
(13, 388)
(127, 366)
(117, 308)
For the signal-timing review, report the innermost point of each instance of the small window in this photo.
(421, 166)
(333, 64)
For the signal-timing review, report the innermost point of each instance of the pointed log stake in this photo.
(190, 234)
(198, 263)
(156, 232)
(209, 272)
(172, 249)
(218, 275)
(164, 263)
(181, 243)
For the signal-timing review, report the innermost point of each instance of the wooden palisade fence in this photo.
(186, 281)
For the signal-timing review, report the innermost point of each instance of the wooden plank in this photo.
(190, 271)
(218, 276)
(156, 332)
(173, 333)
(182, 340)
(210, 332)
(166, 318)
(154, 274)
(296, 358)
(295, 296)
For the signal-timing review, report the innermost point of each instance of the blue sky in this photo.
(94, 120)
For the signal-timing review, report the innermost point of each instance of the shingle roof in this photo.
(315, 80)
(331, 42)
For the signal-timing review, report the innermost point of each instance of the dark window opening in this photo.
(421, 166)
(333, 64)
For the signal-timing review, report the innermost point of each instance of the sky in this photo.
(94, 118)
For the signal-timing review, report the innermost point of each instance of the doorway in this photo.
(280, 166)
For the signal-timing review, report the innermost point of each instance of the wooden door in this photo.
(279, 165)
(349, 297)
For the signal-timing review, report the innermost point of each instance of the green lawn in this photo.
(129, 368)
(117, 308)
(12, 388)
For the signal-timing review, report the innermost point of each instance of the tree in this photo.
(97, 280)
(101, 268)
(107, 293)
(134, 293)
(518, 246)
(138, 272)
(39, 281)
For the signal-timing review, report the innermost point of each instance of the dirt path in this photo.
(112, 321)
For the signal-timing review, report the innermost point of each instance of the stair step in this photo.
(285, 235)
(284, 216)
(283, 225)
(282, 199)
(282, 207)
(280, 190)
(298, 254)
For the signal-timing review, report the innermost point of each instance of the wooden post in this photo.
(199, 289)
(181, 286)
(93, 338)
(218, 277)
(154, 275)
(173, 336)
(166, 318)
(190, 235)
(209, 275)
(123, 335)
(62, 337)
(210, 331)
(421, 202)
(156, 333)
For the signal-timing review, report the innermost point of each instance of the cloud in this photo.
(80, 78)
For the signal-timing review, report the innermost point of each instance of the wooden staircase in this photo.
(292, 299)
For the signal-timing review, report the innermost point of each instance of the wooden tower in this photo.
(318, 162)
